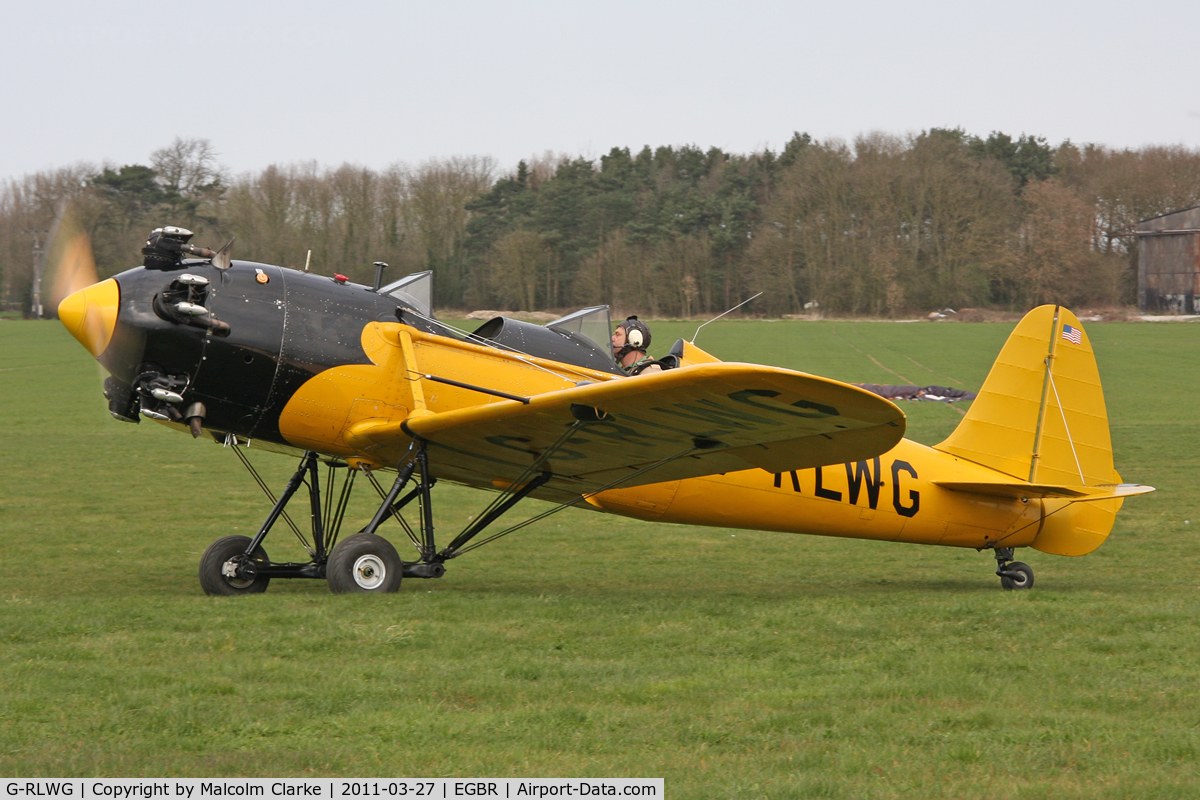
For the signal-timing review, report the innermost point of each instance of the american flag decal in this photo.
(1072, 335)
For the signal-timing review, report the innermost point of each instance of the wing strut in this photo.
(448, 553)
(515, 491)
(530, 480)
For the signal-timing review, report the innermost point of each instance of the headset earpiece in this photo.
(637, 337)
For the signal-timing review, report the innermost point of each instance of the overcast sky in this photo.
(376, 83)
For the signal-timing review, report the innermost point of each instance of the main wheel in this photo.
(364, 563)
(1024, 581)
(220, 573)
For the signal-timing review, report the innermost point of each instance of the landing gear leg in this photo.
(1013, 574)
(366, 562)
(238, 564)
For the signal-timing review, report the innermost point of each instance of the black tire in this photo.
(364, 563)
(213, 579)
(1025, 581)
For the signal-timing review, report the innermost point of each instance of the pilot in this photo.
(629, 343)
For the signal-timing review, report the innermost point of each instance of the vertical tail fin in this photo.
(1040, 417)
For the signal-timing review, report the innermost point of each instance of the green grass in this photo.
(730, 663)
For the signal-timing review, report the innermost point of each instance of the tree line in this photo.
(884, 225)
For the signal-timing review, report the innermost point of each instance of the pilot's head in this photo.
(630, 335)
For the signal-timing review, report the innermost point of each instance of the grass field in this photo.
(730, 663)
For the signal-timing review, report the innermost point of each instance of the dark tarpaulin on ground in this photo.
(940, 394)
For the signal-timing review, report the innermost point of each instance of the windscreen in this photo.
(591, 323)
(418, 287)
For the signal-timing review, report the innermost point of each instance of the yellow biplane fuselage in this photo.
(888, 498)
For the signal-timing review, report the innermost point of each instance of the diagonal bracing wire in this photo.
(536, 465)
(308, 548)
(1062, 413)
(412, 536)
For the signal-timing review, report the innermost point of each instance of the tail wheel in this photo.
(225, 569)
(364, 563)
(1019, 576)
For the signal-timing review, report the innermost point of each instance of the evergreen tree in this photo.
(1027, 158)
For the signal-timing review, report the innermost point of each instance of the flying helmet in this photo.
(637, 336)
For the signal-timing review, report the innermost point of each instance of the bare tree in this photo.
(436, 195)
(188, 166)
(515, 267)
(1057, 262)
(680, 261)
(29, 208)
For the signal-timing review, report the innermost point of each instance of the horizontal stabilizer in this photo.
(1021, 489)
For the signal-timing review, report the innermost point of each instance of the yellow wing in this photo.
(684, 423)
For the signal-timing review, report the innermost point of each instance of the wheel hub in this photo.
(369, 571)
(238, 573)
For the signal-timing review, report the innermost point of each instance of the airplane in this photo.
(364, 379)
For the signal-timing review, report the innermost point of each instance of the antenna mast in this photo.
(718, 316)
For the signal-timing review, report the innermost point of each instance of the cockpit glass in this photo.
(418, 287)
(591, 323)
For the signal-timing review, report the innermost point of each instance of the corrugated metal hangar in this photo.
(1169, 262)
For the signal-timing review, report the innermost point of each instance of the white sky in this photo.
(375, 83)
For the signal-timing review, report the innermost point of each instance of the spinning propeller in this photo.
(87, 307)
